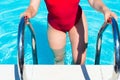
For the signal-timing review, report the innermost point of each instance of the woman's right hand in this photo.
(26, 13)
(30, 12)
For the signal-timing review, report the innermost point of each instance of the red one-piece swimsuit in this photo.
(63, 14)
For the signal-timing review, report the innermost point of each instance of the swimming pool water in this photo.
(10, 11)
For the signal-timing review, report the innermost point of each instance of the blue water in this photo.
(10, 11)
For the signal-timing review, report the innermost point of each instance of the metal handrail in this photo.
(116, 38)
(21, 53)
(99, 43)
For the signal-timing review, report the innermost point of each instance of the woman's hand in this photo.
(108, 14)
(99, 5)
(30, 12)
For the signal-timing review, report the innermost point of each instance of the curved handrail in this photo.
(99, 41)
(116, 38)
(21, 31)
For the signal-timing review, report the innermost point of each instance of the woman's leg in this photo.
(57, 41)
(79, 37)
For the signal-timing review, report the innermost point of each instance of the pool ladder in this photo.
(22, 25)
(116, 38)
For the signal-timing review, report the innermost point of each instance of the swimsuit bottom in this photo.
(63, 14)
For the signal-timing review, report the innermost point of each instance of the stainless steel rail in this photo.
(21, 53)
(116, 38)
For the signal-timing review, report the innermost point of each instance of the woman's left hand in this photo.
(108, 14)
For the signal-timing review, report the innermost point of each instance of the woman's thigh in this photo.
(57, 41)
(79, 37)
(56, 38)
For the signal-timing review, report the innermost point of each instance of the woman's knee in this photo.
(80, 58)
(59, 55)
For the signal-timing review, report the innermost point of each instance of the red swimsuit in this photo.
(63, 14)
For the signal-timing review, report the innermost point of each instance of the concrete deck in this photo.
(60, 72)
